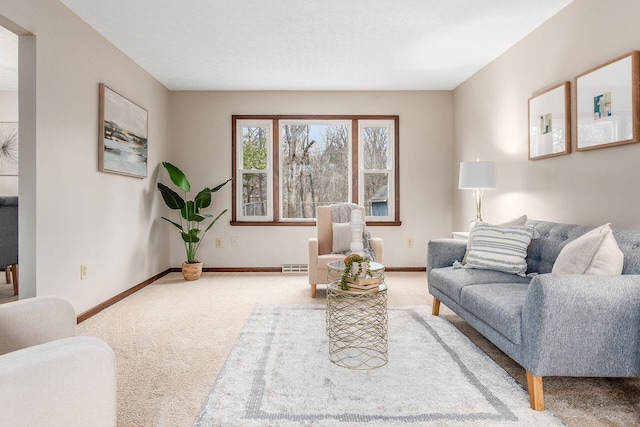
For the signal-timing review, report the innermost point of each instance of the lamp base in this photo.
(478, 194)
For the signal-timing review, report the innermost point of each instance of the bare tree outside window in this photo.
(315, 167)
(254, 177)
(376, 170)
(288, 165)
(376, 146)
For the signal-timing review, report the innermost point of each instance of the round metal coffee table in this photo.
(335, 269)
(357, 322)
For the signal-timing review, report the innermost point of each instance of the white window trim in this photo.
(240, 124)
(273, 173)
(389, 124)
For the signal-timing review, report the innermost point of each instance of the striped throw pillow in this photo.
(522, 220)
(500, 247)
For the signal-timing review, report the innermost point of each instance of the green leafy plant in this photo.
(346, 274)
(191, 217)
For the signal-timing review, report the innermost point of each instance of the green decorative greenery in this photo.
(191, 218)
(346, 274)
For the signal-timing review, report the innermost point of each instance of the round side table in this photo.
(336, 268)
(357, 322)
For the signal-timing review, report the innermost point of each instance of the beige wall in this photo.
(491, 122)
(81, 215)
(111, 222)
(73, 214)
(201, 146)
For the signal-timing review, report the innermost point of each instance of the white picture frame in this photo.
(550, 122)
(607, 104)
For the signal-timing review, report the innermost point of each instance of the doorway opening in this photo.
(20, 61)
(9, 154)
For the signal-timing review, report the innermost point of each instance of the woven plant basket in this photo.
(191, 271)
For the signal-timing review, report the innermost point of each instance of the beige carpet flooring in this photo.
(6, 290)
(172, 337)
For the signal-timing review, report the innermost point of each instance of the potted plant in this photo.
(191, 217)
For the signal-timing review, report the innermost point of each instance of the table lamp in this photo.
(477, 176)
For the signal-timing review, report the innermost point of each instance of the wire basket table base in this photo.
(357, 327)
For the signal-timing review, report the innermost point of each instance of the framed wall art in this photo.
(550, 122)
(607, 104)
(122, 146)
(8, 148)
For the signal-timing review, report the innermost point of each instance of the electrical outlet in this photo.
(234, 241)
(83, 271)
(218, 242)
(410, 242)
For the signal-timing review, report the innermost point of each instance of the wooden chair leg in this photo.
(435, 306)
(313, 290)
(14, 273)
(7, 274)
(536, 392)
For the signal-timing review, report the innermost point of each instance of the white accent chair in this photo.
(321, 246)
(48, 376)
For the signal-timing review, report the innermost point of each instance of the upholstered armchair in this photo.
(9, 239)
(321, 247)
(48, 376)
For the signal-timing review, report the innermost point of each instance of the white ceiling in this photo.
(313, 44)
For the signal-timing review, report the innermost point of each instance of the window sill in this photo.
(305, 223)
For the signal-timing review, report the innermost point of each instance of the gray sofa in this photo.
(550, 324)
(9, 238)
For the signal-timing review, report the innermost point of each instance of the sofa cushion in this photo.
(595, 252)
(629, 242)
(500, 248)
(499, 305)
(543, 252)
(450, 281)
(341, 237)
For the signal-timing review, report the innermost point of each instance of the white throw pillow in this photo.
(341, 237)
(500, 247)
(595, 252)
(522, 220)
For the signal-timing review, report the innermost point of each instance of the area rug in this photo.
(279, 374)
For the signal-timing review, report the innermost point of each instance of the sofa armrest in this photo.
(582, 325)
(35, 321)
(313, 261)
(313, 248)
(444, 252)
(68, 382)
(377, 246)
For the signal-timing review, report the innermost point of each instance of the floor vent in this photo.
(295, 268)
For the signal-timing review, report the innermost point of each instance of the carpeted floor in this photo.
(6, 290)
(172, 338)
(278, 373)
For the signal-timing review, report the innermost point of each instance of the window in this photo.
(314, 166)
(287, 166)
(376, 173)
(254, 170)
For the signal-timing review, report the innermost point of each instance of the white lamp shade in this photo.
(477, 175)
